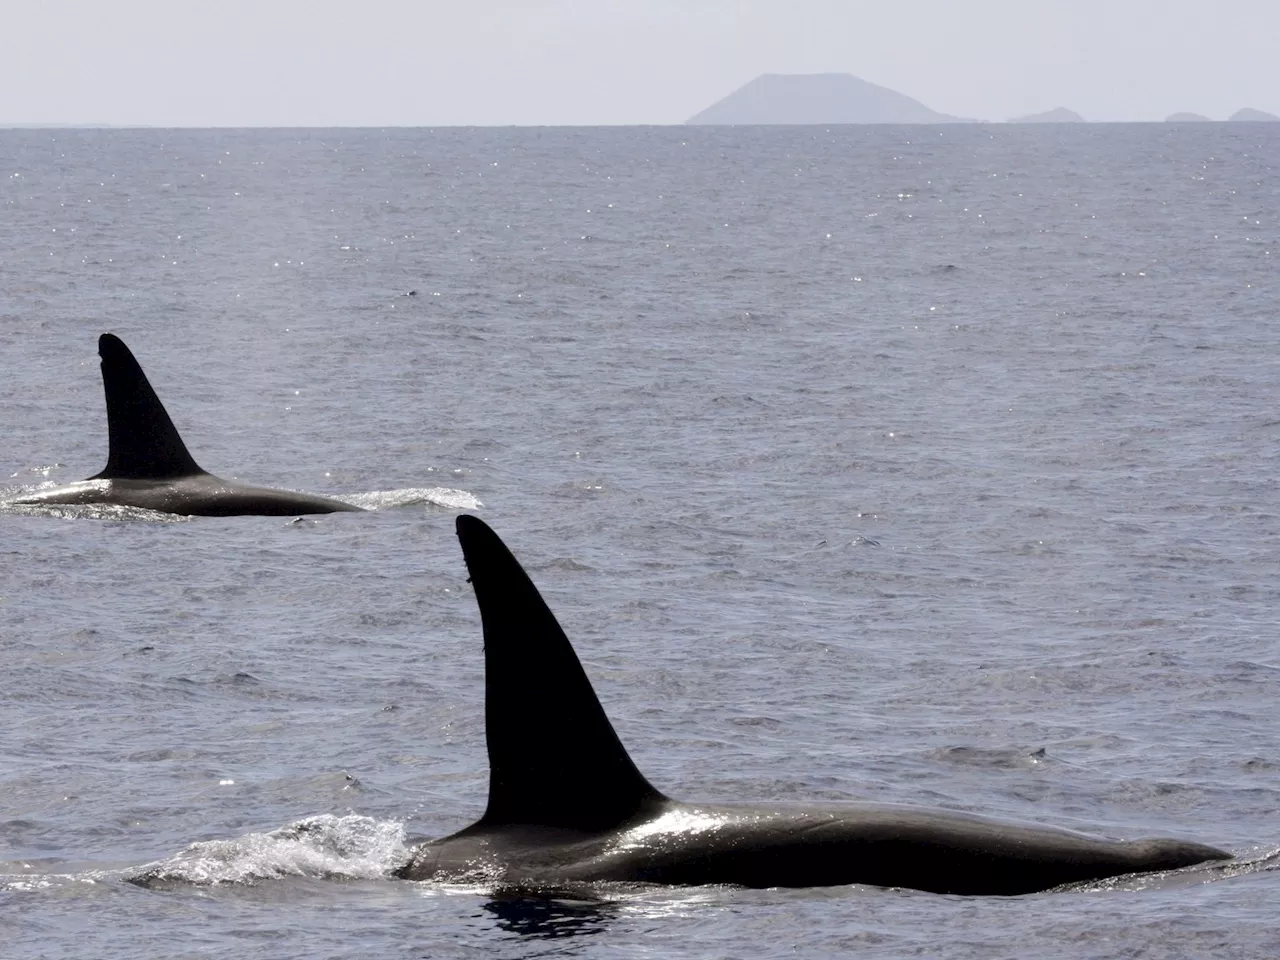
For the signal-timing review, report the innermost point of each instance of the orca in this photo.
(148, 465)
(567, 805)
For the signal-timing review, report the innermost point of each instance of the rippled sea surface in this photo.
(925, 465)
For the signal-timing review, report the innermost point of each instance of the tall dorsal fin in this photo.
(554, 759)
(143, 442)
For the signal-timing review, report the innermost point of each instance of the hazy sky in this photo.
(423, 62)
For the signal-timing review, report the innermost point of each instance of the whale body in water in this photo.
(567, 805)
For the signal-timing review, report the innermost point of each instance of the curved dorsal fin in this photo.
(143, 442)
(554, 759)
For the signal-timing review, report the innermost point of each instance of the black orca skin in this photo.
(148, 465)
(567, 805)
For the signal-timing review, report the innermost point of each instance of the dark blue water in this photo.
(922, 465)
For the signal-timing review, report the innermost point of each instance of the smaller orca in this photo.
(148, 465)
(567, 805)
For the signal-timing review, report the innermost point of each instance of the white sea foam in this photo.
(446, 497)
(326, 847)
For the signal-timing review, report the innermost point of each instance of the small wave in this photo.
(446, 497)
(38, 882)
(1257, 860)
(325, 847)
(562, 563)
(1007, 758)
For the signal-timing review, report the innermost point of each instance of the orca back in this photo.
(554, 758)
(143, 442)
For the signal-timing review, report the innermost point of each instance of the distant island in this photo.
(1245, 115)
(817, 98)
(1249, 115)
(831, 98)
(1056, 115)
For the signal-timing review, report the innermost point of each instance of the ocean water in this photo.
(925, 465)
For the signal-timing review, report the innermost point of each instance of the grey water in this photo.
(933, 465)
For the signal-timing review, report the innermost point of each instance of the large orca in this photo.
(148, 464)
(567, 805)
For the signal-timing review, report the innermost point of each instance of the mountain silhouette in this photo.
(817, 98)
(1056, 115)
(1250, 115)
